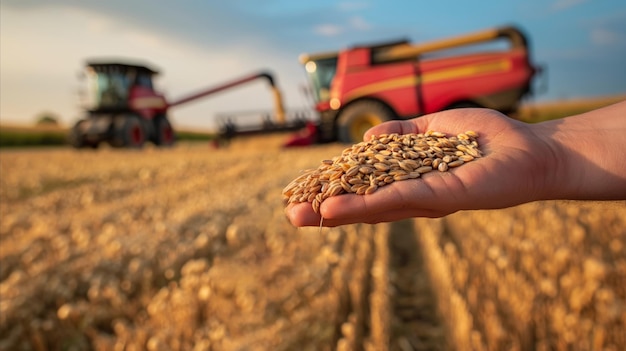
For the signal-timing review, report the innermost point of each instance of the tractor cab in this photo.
(110, 86)
(122, 108)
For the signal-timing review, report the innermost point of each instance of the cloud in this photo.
(97, 24)
(559, 5)
(355, 23)
(349, 6)
(359, 23)
(328, 30)
(603, 36)
(608, 32)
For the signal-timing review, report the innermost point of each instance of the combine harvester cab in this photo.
(365, 85)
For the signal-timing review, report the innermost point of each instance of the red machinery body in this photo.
(359, 87)
(147, 102)
(414, 88)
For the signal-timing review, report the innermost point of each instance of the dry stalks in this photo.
(161, 250)
(189, 249)
(542, 276)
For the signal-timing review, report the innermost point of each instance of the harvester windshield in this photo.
(321, 73)
(109, 84)
(107, 88)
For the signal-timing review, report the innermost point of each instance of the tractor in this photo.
(125, 111)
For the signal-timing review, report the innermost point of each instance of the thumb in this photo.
(389, 127)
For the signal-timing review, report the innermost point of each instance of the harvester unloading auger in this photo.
(126, 111)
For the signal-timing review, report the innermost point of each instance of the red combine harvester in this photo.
(362, 86)
(125, 110)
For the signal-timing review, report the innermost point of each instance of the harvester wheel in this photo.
(357, 118)
(164, 133)
(76, 137)
(133, 134)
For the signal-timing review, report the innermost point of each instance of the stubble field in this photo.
(188, 249)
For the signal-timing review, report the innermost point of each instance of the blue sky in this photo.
(197, 44)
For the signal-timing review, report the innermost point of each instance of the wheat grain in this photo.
(442, 167)
(366, 166)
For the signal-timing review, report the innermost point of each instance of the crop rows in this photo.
(189, 249)
(542, 276)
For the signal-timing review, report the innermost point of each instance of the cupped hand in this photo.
(511, 171)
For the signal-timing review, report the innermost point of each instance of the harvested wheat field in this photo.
(188, 249)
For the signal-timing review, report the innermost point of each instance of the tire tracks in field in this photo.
(415, 323)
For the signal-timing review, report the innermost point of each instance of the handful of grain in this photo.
(366, 166)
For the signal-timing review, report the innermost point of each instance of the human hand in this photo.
(512, 171)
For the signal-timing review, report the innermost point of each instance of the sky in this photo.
(199, 44)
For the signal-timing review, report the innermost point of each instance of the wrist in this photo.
(555, 162)
(560, 179)
(584, 155)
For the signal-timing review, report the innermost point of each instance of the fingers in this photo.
(416, 125)
(448, 121)
(385, 199)
(390, 203)
(400, 127)
(302, 215)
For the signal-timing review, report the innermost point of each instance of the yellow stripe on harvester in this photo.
(465, 71)
(395, 83)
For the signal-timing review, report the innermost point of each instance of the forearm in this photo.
(588, 154)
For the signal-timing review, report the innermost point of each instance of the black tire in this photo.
(357, 118)
(163, 132)
(76, 138)
(132, 133)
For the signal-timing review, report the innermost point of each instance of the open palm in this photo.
(509, 173)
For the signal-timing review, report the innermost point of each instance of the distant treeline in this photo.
(25, 137)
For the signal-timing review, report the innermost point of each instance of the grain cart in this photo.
(125, 110)
(365, 85)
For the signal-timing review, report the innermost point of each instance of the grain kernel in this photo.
(424, 169)
(381, 166)
(371, 189)
(400, 177)
(366, 170)
(456, 163)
